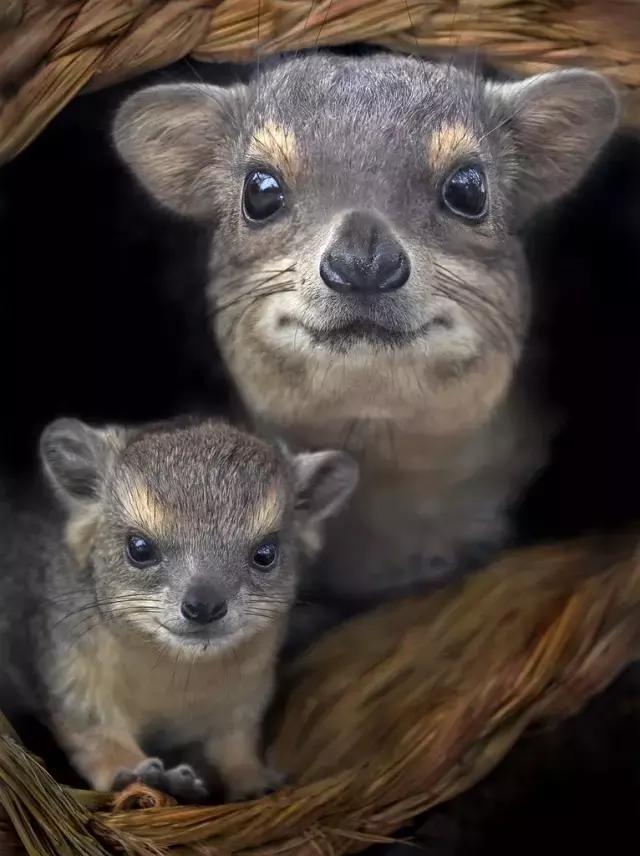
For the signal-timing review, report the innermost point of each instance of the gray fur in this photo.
(427, 384)
(99, 648)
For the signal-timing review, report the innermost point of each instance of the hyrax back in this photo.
(160, 593)
(367, 282)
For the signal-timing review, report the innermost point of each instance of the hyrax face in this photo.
(366, 259)
(192, 536)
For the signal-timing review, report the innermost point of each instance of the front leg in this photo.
(99, 753)
(111, 759)
(236, 757)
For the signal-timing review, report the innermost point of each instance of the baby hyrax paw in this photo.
(180, 782)
(255, 783)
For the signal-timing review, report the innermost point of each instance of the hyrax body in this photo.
(149, 596)
(368, 284)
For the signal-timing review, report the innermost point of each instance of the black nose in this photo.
(365, 258)
(202, 611)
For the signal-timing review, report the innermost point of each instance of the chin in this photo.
(355, 355)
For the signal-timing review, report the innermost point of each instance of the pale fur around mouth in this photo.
(207, 639)
(342, 337)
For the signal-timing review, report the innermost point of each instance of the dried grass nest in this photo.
(50, 50)
(387, 716)
(406, 707)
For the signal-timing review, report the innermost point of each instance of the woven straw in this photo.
(52, 49)
(405, 708)
(388, 716)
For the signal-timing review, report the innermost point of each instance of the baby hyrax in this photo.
(154, 592)
(368, 285)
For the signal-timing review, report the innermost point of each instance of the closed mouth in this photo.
(197, 635)
(344, 336)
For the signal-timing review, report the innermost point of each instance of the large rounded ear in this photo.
(324, 483)
(176, 137)
(552, 127)
(76, 457)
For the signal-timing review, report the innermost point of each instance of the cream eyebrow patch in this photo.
(448, 143)
(266, 515)
(277, 145)
(140, 505)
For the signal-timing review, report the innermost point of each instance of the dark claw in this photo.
(152, 773)
(183, 783)
(180, 782)
(123, 779)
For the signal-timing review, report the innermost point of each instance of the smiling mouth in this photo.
(344, 336)
(195, 636)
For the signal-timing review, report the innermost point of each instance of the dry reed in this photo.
(50, 50)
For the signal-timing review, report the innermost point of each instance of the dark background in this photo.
(105, 319)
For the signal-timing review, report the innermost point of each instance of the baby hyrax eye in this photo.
(265, 555)
(465, 192)
(141, 551)
(262, 196)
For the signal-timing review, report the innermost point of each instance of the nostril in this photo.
(394, 272)
(335, 272)
(202, 612)
(194, 610)
(219, 610)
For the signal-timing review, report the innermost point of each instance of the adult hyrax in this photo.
(147, 595)
(368, 286)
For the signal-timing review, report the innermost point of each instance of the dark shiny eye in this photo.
(465, 192)
(262, 196)
(141, 551)
(265, 554)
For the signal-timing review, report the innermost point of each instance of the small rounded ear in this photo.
(173, 139)
(75, 457)
(553, 126)
(324, 483)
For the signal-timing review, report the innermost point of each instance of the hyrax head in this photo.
(191, 534)
(366, 258)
